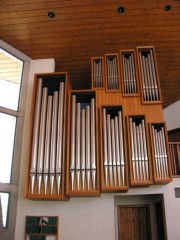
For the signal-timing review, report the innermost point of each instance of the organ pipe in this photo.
(35, 134)
(41, 138)
(53, 140)
(47, 142)
(59, 135)
(83, 147)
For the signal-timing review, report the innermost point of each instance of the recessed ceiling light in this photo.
(121, 9)
(167, 8)
(51, 14)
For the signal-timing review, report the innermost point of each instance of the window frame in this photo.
(13, 187)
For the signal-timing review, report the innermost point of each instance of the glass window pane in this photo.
(4, 203)
(7, 132)
(10, 80)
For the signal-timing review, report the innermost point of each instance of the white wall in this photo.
(172, 115)
(91, 218)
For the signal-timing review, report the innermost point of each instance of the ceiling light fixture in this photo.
(51, 14)
(167, 8)
(121, 9)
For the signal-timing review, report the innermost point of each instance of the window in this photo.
(14, 69)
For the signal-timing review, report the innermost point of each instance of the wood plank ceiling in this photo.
(85, 28)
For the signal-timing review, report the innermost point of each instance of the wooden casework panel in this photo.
(114, 169)
(148, 74)
(160, 152)
(129, 72)
(46, 153)
(97, 73)
(82, 176)
(140, 166)
(112, 72)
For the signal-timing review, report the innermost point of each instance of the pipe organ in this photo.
(104, 139)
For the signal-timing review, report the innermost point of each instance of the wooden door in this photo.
(134, 223)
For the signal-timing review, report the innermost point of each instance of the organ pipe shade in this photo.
(148, 75)
(47, 139)
(113, 148)
(83, 145)
(139, 151)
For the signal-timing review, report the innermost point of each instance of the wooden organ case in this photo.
(104, 139)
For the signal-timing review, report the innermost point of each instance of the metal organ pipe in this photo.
(105, 146)
(78, 116)
(41, 138)
(47, 142)
(35, 134)
(53, 140)
(72, 165)
(88, 145)
(113, 150)
(83, 147)
(60, 134)
(109, 147)
(93, 145)
(117, 146)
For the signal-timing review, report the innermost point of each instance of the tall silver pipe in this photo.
(72, 165)
(124, 74)
(93, 143)
(154, 75)
(121, 141)
(93, 132)
(113, 150)
(136, 151)
(117, 151)
(145, 150)
(139, 152)
(34, 149)
(130, 75)
(150, 87)
(146, 80)
(109, 148)
(53, 140)
(60, 133)
(47, 142)
(73, 112)
(160, 153)
(83, 165)
(41, 138)
(143, 78)
(151, 78)
(110, 73)
(127, 75)
(77, 143)
(133, 151)
(105, 146)
(117, 80)
(163, 154)
(133, 73)
(78, 134)
(142, 153)
(156, 152)
(88, 145)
